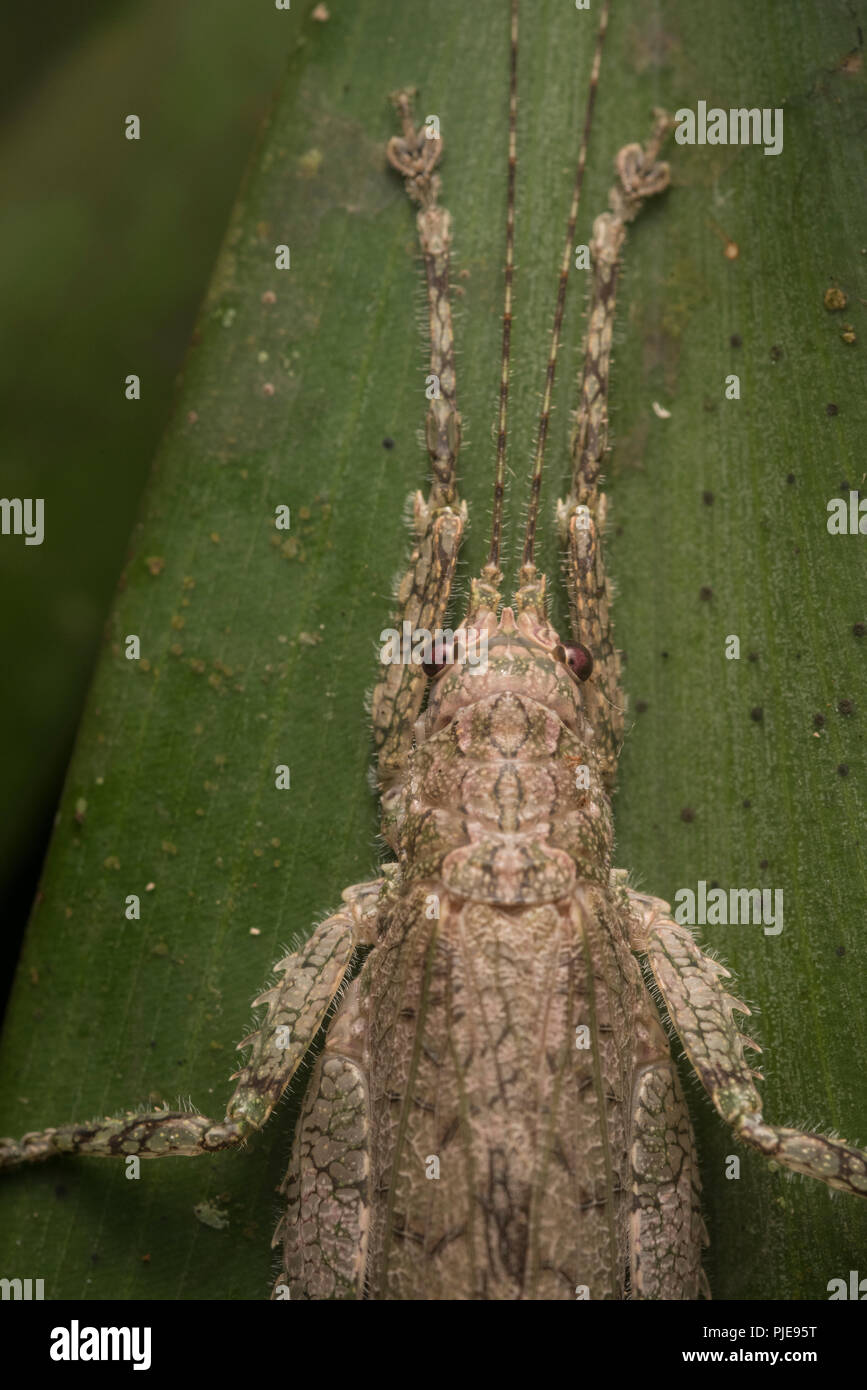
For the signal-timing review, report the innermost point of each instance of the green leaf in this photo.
(290, 402)
(107, 249)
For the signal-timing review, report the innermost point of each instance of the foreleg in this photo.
(582, 516)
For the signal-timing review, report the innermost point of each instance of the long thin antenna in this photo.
(542, 436)
(500, 473)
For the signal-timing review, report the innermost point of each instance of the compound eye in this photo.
(443, 658)
(577, 657)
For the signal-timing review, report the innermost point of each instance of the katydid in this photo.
(495, 1113)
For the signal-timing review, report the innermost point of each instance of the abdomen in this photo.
(500, 1083)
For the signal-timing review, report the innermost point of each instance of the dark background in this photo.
(87, 297)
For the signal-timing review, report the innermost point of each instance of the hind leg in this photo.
(323, 1232)
(666, 1232)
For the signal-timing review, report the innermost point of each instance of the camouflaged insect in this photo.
(495, 1113)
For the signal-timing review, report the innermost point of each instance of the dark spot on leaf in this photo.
(664, 655)
(858, 629)
(757, 714)
(752, 656)
(843, 769)
(763, 863)
(841, 951)
(790, 478)
(845, 706)
(388, 443)
(746, 803)
(776, 353)
(707, 498)
(831, 409)
(819, 720)
(687, 814)
(736, 340)
(640, 706)
(705, 592)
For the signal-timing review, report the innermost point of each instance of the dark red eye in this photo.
(577, 657)
(443, 656)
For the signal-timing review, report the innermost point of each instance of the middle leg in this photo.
(701, 1010)
(296, 1008)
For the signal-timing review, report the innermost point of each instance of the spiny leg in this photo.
(439, 522)
(582, 516)
(666, 1232)
(323, 1232)
(640, 176)
(701, 1012)
(296, 1007)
